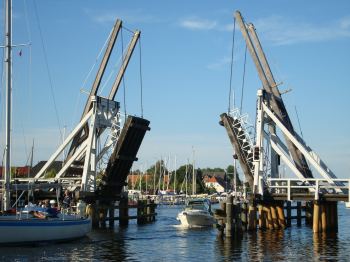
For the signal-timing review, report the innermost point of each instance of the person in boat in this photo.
(52, 210)
(47, 210)
(66, 200)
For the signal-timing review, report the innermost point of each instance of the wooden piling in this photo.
(335, 214)
(260, 221)
(140, 212)
(102, 214)
(244, 218)
(111, 215)
(229, 216)
(316, 217)
(93, 214)
(323, 208)
(153, 210)
(308, 213)
(274, 216)
(289, 214)
(149, 210)
(299, 213)
(252, 217)
(238, 218)
(268, 216)
(280, 215)
(123, 212)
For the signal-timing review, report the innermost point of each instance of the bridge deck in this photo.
(310, 197)
(123, 156)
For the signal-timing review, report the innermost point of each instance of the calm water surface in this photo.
(166, 241)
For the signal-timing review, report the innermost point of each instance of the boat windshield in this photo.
(198, 205)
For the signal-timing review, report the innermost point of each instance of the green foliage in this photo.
(215, 169)
(50, 174)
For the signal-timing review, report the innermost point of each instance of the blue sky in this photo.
(186, 49)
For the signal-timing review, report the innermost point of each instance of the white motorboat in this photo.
(197, 213)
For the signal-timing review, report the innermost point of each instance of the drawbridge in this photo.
(123, 156)
(276, 141)
(84, 167)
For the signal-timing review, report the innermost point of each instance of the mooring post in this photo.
(111, 210)
(94, 215)
(308, 213)
(139, 212)
(91, 211)
(252, 216)
(229, 216)
(274, 216)
(244, 216)
(316, 217)
(153, 210)
(268, 216)
(280, 214)
(289, 214)
(262, 217)
(102, 215)
(238, 219)
(335, 214)
(123, 212)
(299, 213)
(324, 221)
(149, 210)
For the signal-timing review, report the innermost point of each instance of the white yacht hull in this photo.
(195, 218)
(16, 231)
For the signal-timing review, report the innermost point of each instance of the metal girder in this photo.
(273, 95)
(65, 143)
(103, 65)
(322, 169)
(227, 122)
(126, 60)
(112, 39)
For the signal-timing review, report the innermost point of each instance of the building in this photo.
(216, 183)
(17, 172)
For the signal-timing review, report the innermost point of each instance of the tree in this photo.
(50, 174)
(230, 174)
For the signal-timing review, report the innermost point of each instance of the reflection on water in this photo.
(282, 245)
(296, 243)
(165, 240)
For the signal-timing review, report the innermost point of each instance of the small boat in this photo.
(29, 230)
(197, 213)
(38, 224)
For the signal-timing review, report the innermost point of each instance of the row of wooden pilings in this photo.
(235, 217)
(98, 212)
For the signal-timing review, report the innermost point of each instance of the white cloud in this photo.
(282, 31)
(195, 23)
(135, 16)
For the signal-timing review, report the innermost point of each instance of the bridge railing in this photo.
(314, 185)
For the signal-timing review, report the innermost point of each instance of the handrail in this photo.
(316, 185)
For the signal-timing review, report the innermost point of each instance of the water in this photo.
(165, 240)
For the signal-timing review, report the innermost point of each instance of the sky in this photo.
(185, 70)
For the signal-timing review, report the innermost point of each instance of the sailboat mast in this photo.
(8, 83)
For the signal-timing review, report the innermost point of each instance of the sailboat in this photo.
(29, 225)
